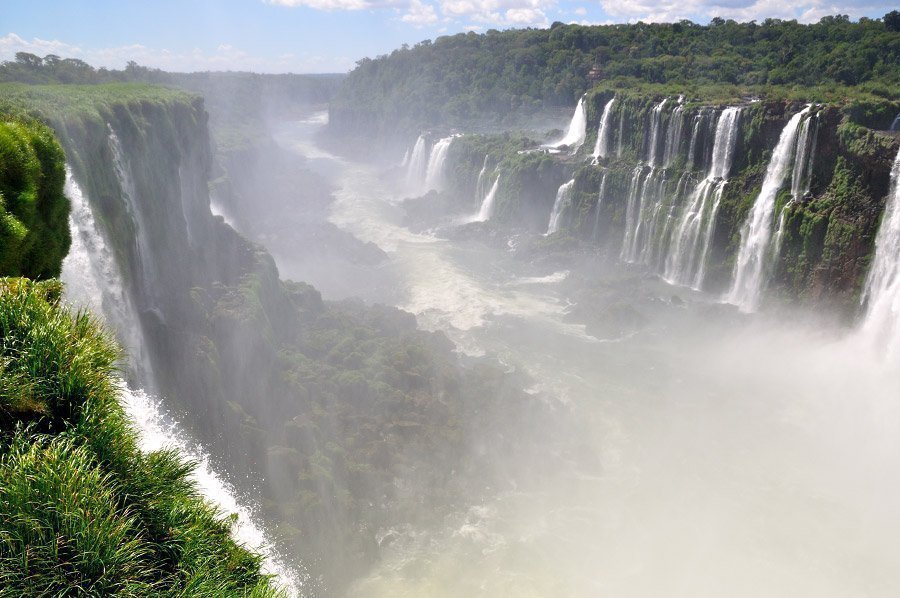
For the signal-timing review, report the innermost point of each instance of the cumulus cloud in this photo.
(805, 11)
(512, 13)
(420, 14)
(224, 57)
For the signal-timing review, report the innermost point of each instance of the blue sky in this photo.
(327, 35)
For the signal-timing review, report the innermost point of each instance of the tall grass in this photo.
(82, 510)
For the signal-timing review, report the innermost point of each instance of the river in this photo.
(738, 455)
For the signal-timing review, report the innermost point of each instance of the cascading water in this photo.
(149, 275)
(881, 323)
(93, 280)
(621, 134)
(574, 137)
(434, 173)
(158, 432)
(479, 183)
(405, 160)
(655, 123)
(804, 156)
(600, 195)
(750, 268)
(563, 199)
(418, 162)
(687, 256)
(601, 148)
(487, 205)
(674, 134)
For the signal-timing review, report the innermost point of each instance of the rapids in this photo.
(699, 477)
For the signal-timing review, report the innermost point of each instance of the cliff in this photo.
(675, 181)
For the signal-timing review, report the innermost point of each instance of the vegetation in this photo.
(465, 78)
(82, 509)
(34, 229)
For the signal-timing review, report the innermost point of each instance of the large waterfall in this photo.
(434, 173)
(881, 323)
(687, 257)
(601, 148)
(94, 280)
(563, 199)
(575, 135)
(425, 167)
(750, 270)
(418, 162)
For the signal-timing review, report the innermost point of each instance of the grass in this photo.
(82, 509)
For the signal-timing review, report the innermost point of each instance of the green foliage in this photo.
(463, 78)
(34, 230)
(82, 510)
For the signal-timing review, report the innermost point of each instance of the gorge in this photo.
(643, 346)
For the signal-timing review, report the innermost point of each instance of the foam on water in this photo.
(157, 431)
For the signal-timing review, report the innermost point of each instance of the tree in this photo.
(892, 21)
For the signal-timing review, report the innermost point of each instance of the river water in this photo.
(737, 455)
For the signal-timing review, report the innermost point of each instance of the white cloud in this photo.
(325, 4)
(224, 57)
(521, 13)
(420, 14)
(805, 11)
(580, 11)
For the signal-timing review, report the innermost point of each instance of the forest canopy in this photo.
(456, 78)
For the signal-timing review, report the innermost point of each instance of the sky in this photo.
(319, 36)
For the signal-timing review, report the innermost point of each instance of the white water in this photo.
(601, 148)
(734, 457)
(804, 157)
(575, 135)
(93, 280)
(487, 205)
(434, 173)
(479, 183)
(655, 123)
(560, 205)
(418, 163)
(600, 195)
(156, 431)
(881, 324)
(674, 133)
(750, 269)
(687, 257)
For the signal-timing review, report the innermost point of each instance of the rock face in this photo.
(344, 417)
(679, 179)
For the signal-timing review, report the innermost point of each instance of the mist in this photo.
(607, 323)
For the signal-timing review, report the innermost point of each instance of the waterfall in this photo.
(881, 323)
(434, 173)
(418, 161)
(479, 184)
(686, 261)
(804, 156)
(156, 432)
(632, 213)
(93, 281)
(895, 126)
(563, 199)
(487, 204)
(574, 137)
(602, 192)
(655, 122)
(750, 267)
(601, 148)
(673, 135)
(621, 134)
(405, 161)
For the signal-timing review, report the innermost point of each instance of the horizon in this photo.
(330, 36)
